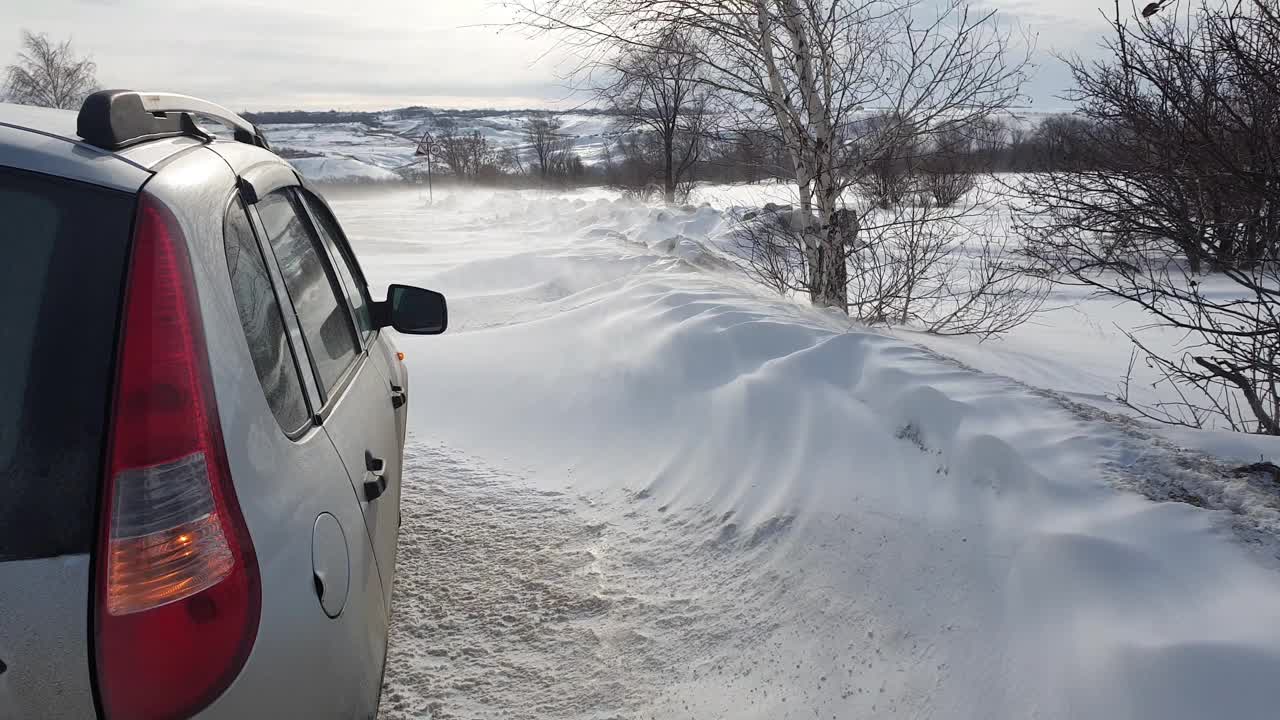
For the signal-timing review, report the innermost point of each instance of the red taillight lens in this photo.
(178, 594)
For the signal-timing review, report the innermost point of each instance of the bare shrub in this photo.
(469, 156)
(771, 247)
(945, 270)
(1169, 200)
(947, 166)
(945, 187)
(890, 145)
(645, 193)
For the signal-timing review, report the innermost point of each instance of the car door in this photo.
(354, 406)
(379, 358)
(381, 349)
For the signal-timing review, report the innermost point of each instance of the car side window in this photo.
(344, 262)
(312, 286)
(262, 321)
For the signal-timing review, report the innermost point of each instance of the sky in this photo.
(379, 54)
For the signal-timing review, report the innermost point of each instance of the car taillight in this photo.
(178, 595)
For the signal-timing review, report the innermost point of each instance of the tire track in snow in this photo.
(515, 601)
(493, 604)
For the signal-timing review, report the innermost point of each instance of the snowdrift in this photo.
(792, 517)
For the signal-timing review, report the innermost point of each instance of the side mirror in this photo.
(413, 311)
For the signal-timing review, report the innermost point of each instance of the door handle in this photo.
(375, 477)
(398, 396)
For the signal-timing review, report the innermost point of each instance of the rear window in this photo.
(65, 247)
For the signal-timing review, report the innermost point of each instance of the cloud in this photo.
(253, 54)
(258, 54)
(1053, 29)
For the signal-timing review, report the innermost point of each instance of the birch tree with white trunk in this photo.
(48, 74)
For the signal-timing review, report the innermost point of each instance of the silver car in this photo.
(202, 421)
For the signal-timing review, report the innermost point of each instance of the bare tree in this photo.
(635, 171)
(1064, 142)
(542, 133)
(659, 90)
(49, 74)
(989, 139)
(469, 156)
(745, 155)
(563, 163)
(1171, 201)
(805, 69)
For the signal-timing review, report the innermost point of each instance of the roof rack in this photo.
(115, 119)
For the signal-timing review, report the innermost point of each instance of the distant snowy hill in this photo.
(343, 169)
(387, 140)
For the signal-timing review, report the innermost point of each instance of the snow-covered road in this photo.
(638, 487)
(514, 601)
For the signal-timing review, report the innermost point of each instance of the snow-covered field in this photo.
(388, 141)
(342, 169)
(388, 146)
(641, 487)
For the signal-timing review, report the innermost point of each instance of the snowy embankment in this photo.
(640, 487)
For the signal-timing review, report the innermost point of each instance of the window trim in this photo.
(289, 328)
(263, 178)
(324, 400)
(344, 381)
